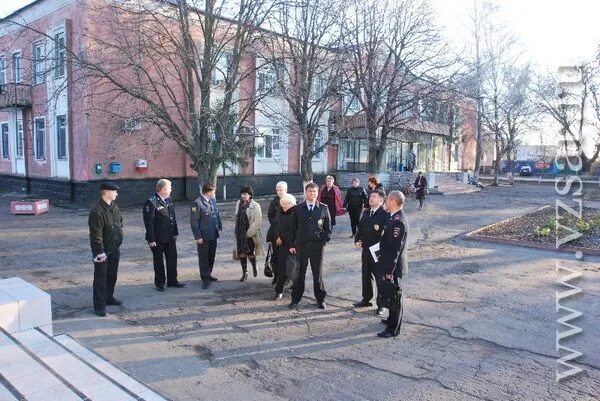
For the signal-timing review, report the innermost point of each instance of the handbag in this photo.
(292, 268)
(268, 271)
(391, 293)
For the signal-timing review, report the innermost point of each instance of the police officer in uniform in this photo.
(206, 227)
(311, 228)
(393, 262)
(368, 234)
(106, 235)
(161, 234)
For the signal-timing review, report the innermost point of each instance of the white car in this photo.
(525, 170)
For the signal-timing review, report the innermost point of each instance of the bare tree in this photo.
(304, 59)
(397, 57)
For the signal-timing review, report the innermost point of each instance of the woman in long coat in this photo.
(421, 187)
(247, 241)
(330, 195)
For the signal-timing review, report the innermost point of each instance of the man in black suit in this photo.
(393, 262)
(369, 233)
(312, 230)
(206, 224)
(161, 234)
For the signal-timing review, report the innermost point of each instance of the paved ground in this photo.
(480, 319)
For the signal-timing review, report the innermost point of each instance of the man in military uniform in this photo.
(311, 229)
(368, 234)
(206, 226)
(161, 234)
(393, 262)
(106, 236)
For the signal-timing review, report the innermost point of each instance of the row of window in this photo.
(41, 62)
(39, 139)
(272, 147)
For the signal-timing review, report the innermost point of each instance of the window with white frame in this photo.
(60, 55)
(222, 69)
(317, 88)
(38, 63)
(318, 144)
(61, 137)
(269, 76)
(16, 67)
(271, 146)
(4, 134)
(2, 72)
(19, 140)
(39, 139)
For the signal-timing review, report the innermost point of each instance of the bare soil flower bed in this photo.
(539, 229)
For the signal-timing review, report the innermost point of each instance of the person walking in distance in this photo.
(161, 235)
(311, 226)
(355, 199)
(106, 235)
(393, 261)
(248, 242)
(421, 187)
(205, 221)
(369, 234)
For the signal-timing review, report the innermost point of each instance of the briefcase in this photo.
(391, 293)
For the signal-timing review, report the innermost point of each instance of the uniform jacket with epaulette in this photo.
(312, 226)
(106, 228)
(370, 228)
(160, 220)
(393, 259)
(205, 219)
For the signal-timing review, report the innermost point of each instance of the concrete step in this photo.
(36, 366)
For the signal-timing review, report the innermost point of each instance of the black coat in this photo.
(421, 187)
(393, 259)
(106, 228)
(285, 227)
(370, 227)
(356, 198)
(160, 220)
(273, 213)
(312, 226)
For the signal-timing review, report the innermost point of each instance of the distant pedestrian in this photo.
(312, 230)
(372, 184)
(421, 188)
(205, 221)
(330, 195)
(355, 199)
(274, 214)
(161, 235)
(247, 240)
(106, 235)
(284, 237)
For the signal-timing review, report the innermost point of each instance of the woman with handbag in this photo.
(247, 241)
(284, 240)
(421, 187)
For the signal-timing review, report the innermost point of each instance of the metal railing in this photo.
(15, 95)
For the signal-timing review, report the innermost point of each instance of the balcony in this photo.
(15, 95)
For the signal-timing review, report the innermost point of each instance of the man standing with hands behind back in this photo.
(106, 236)
(161, 234)
(311, 227)
(206, 226)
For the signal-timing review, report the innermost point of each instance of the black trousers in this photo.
(206, 258)
(310, 252)
(368, 275)
(354, 218)
(396, 309)
(162, 251)
(105, 278)
(280, 257)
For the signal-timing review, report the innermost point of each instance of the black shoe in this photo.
(277, 296)
(244, 277)
(293, 305)
(254, 271)
(176, 285)
(205, 284)
(101, 313)
(352, 236)
(380, 311)
(114, 301)
(362, 304)
(213, 278)
(385, 321)
(385, 334)
(322, 305)
(159, 288)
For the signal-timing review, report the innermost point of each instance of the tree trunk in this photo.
(306, 168)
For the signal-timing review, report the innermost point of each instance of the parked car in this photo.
(525, 170)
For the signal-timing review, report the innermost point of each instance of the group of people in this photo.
(297, 235)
